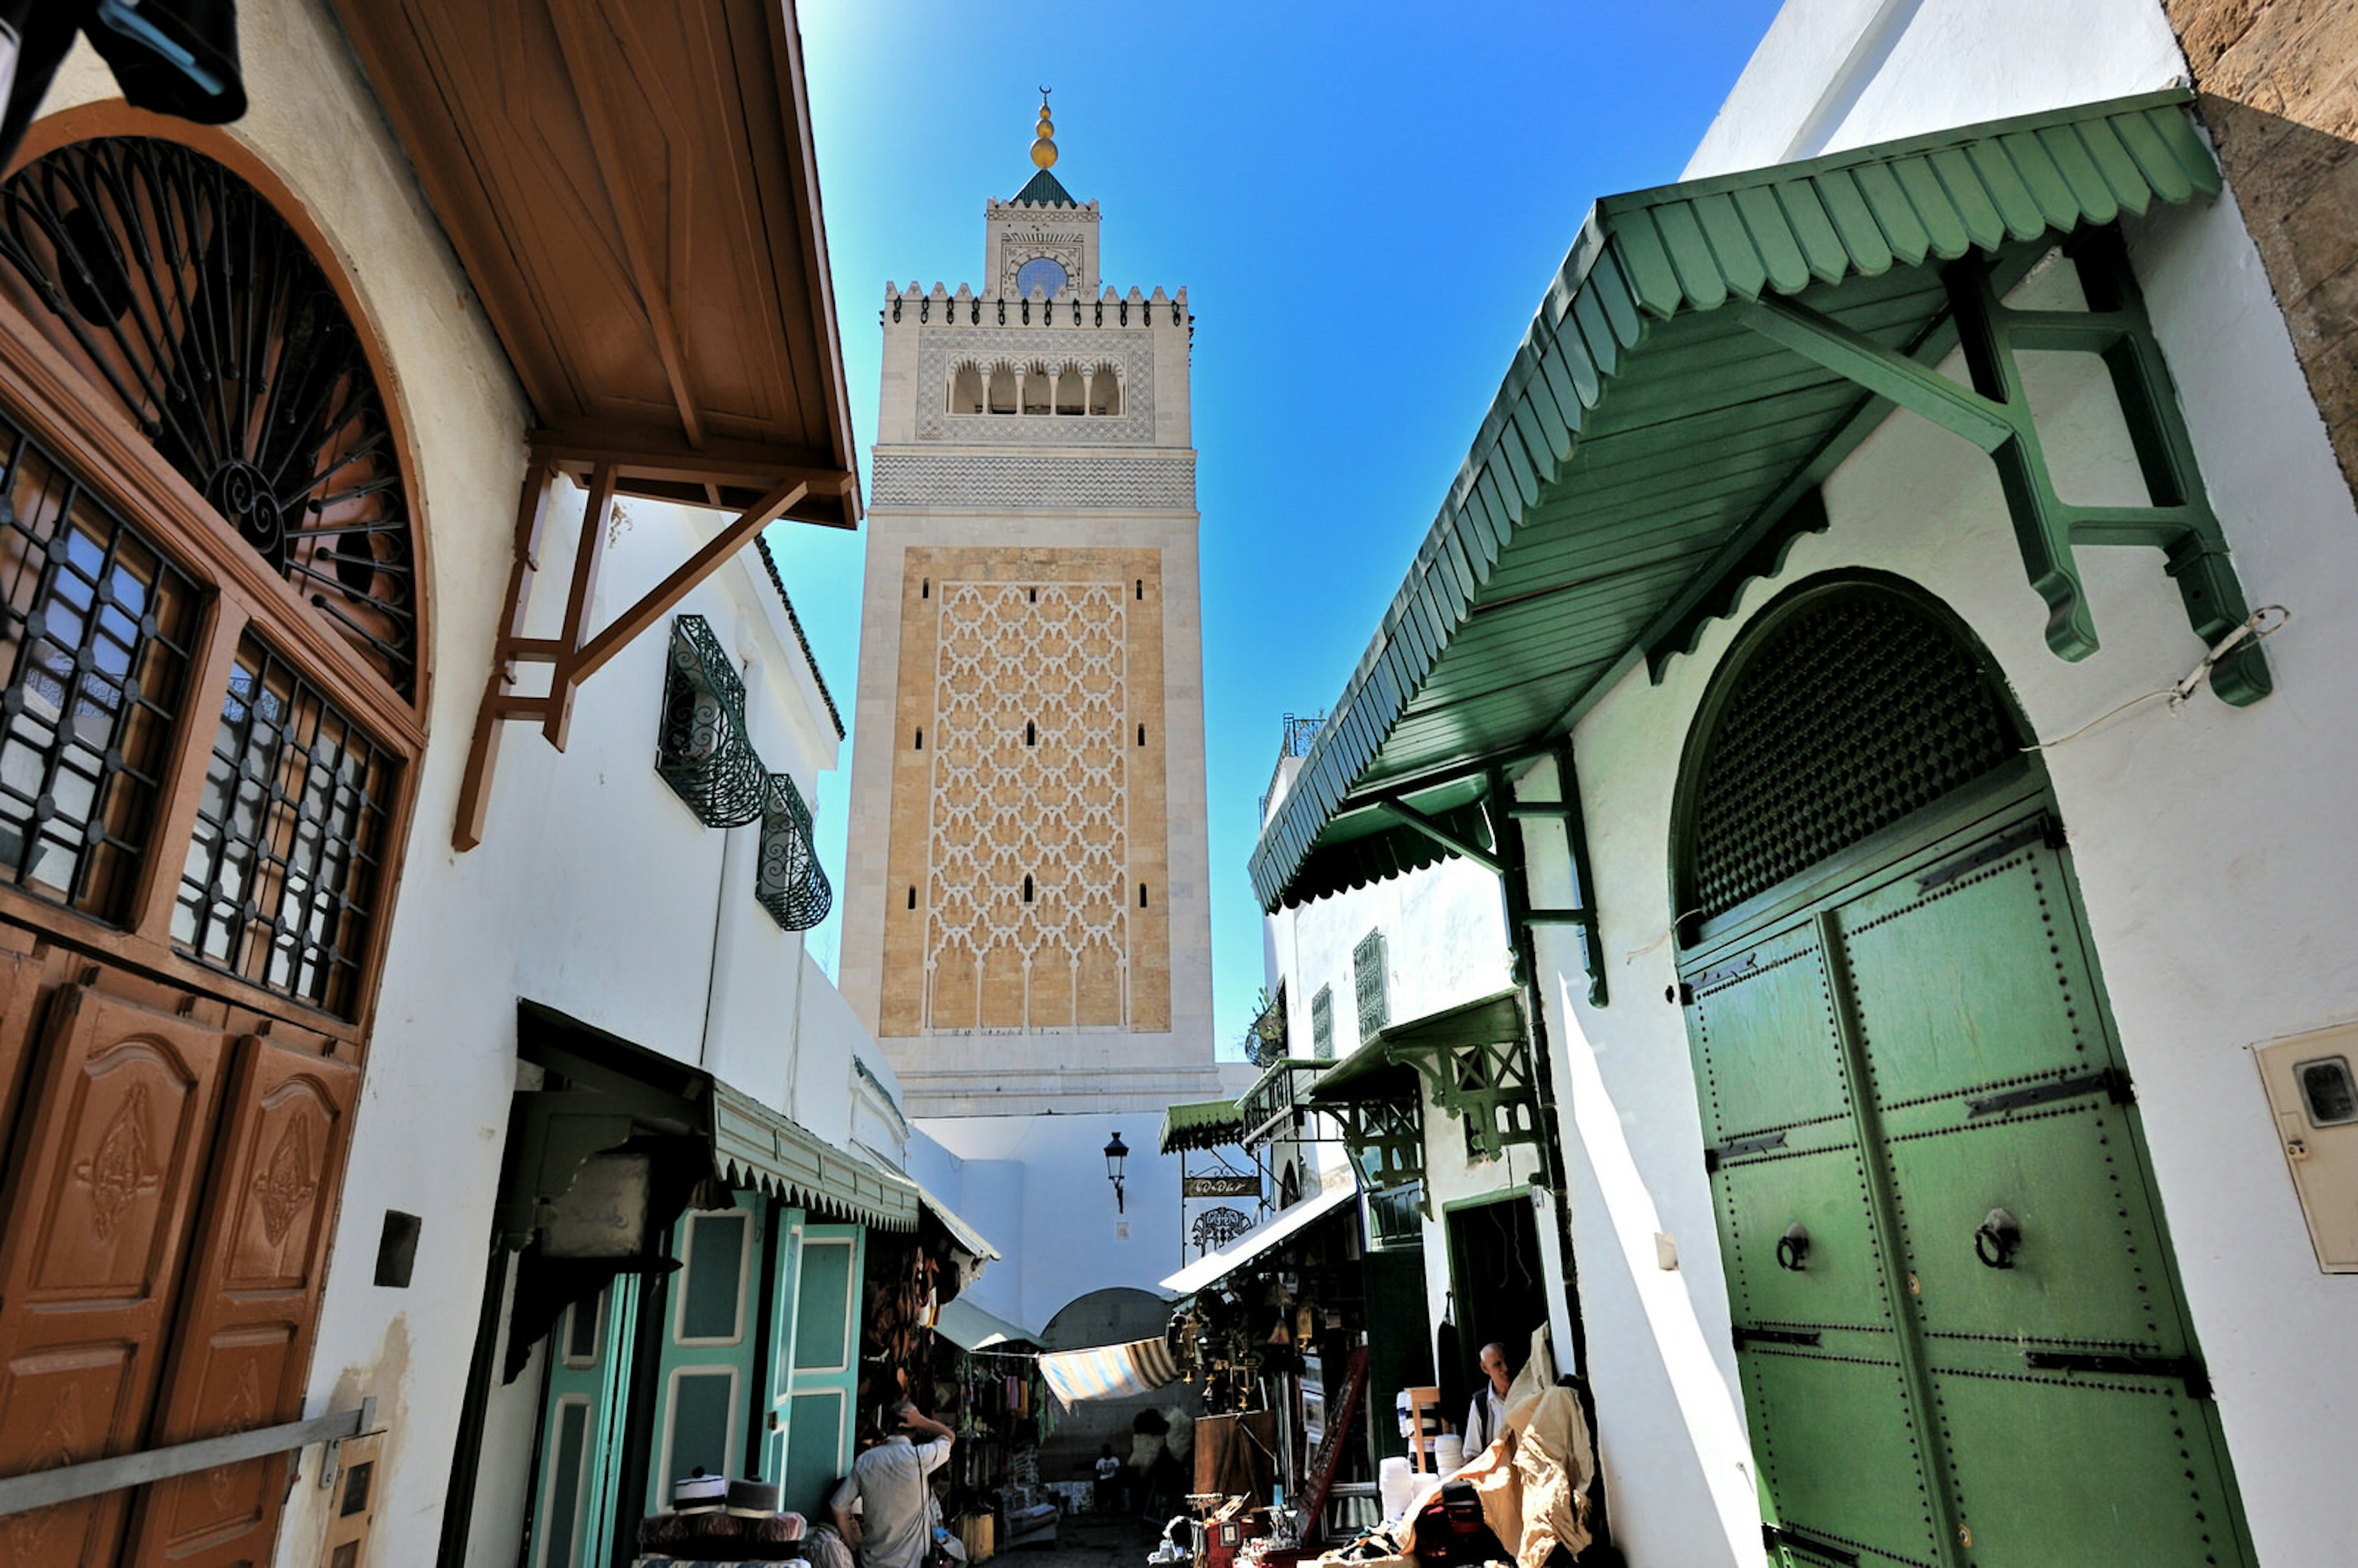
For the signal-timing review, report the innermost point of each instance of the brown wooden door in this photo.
(96, 1213)
(20, 987)
(242, 1346)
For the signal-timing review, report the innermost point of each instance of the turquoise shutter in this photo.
(710, 1332)
(824, 1368)
(574, 1487)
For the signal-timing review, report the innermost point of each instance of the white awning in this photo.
(1213, 1267)
(969, 1328)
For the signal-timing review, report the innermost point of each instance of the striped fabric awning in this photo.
(1108, 1372)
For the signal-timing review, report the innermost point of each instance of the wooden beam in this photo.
(596, 523)
(482, 747)
(659, 599)
(1409, 816)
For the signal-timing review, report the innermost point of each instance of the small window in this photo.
(1368, 982)
(1141, 734)
(1035, 390)
(926, 588)
(1002, 389)
(966, 391)
(913, 897)
(1142, 895)
(1142, 588)
(1035, 595)
(1322, 1023)
(1105, 390)
(1031, 735)
(920, 739)
(1027, 887)
(2327, 1092)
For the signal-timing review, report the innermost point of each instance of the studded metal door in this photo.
(1942, 1235)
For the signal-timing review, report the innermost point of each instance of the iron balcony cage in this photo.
(791, 884)
(703, 751)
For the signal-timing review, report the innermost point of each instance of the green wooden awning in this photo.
(1707, 354)
(1202, 1124)
(1474, 1059)
(754, 1146)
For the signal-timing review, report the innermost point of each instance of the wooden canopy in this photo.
(631, 187)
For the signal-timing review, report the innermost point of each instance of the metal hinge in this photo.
(1778, 1535)
(1809, 1339)
(1758, 1143)
(2188, 1368)
(2110, 1082)
(2041, 829)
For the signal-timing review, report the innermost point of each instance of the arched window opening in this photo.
(1142, 895)
(912, 896)
(1031, 735)
(1105, 391)
(159, 268)
(1141, 734)
(920, 739)
(1845, 707)
(1036, 395)
(1027, 887)
(1002, 389)
(1071, 388)
(965, 390)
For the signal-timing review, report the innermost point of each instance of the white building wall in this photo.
(594, 891)
(1037, 1186)
(2212, 846)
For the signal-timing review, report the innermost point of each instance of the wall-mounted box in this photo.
(2313, 1087)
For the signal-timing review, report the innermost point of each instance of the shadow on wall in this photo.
(1113, 1316)
(2282, 104)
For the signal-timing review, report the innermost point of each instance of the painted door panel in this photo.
(1840, 1282)
(575, 1491)
(20, 987)
(241, 1350)
(826, 1375)
(710, 1336)
(96, 1210)
(1767, 1053)
(785, 1282)
(1835, 1444)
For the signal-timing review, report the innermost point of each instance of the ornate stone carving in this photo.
(1163, 481)
(1130, 349)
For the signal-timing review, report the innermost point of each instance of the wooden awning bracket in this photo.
(572, 656)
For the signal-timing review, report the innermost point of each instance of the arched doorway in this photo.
(1958, 1324)
(1115, 1315)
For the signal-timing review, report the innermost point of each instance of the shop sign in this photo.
(1220, 1187)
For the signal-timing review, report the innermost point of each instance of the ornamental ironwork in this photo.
(703, 751)
(790, 883)
(282, 876)
(1265, 1036)
(95, 640)
(1215, 1227)
(202, 312)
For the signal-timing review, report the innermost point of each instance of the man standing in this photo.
(895, 1527)
(1487, 1416)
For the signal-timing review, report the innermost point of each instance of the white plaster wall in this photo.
(2212, 847)
(1834, 74)
(1445, 942)
(1035, 1186)
(593, 892)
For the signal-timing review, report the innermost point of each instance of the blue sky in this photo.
(1366, 203)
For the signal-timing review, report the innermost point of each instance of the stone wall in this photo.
(2280, 87)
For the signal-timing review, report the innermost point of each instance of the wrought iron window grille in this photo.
(790, 884)
(202, 311)
(1322, 1023)
(1367, 983)
(703, 751)
(280, 883)
(97, 628)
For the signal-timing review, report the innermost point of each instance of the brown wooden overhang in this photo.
(631, 188)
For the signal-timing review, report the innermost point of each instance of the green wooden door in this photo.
(710, 1335)
(777, 1364)
(825, 1364)
(1826, 1368)
(575, 1489)
(1982, 1358)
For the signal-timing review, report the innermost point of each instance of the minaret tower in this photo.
(1027, 924)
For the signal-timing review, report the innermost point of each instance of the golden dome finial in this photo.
(1044, 149)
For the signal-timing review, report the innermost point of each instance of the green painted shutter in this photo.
(825, 1375)
(580, 1450)
(784, 1284)
(710, 1332)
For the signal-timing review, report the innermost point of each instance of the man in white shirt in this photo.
(1487, 1416)
(895, 1527)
